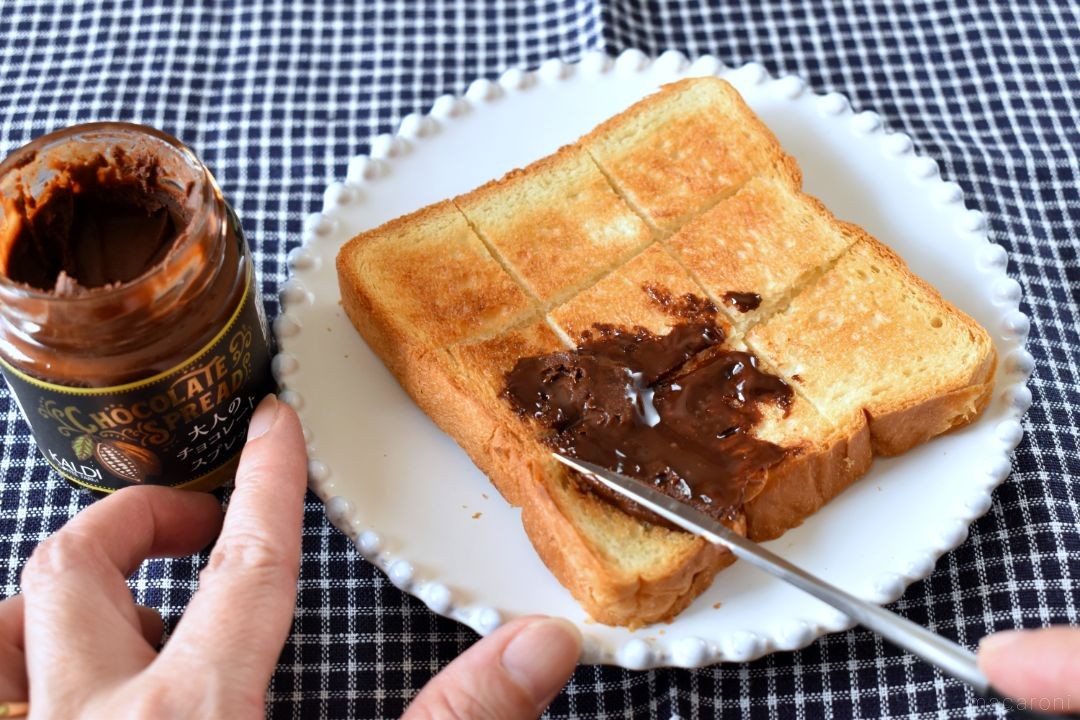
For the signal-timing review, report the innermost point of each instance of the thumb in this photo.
(1039, 668)
(514, 673)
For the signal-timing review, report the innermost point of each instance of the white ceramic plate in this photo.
(421, 511)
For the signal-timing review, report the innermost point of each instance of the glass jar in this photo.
(131, 331)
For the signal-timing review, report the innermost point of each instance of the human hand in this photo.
(76, 643)
(1035, 669)
(78, 646)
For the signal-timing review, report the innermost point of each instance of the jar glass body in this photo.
(103, 363)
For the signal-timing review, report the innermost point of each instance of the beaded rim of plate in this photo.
(637, 653)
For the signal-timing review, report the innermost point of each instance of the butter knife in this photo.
(947, 656)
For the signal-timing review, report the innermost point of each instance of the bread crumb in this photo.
(484, 495)
(476, 516)
(716, 605)
(589, 621)
(661, 632)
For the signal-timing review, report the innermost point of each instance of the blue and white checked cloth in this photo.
(277, 96)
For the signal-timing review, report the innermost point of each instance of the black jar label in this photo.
(176, 428)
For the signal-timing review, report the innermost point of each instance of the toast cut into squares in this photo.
(426, 280)
(700, 201)
(869, 337)
(824, 458)
(557, 224)
(677, 152)
(767, 240)
(486, 362)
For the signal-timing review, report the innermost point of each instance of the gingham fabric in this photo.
(277, 96)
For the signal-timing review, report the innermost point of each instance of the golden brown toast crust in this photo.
(675, 192)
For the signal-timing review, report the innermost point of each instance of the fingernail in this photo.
(542, 656)
(264, 416)
(1000, 641)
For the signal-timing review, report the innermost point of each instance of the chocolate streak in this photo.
(674, 411)
(744, 302)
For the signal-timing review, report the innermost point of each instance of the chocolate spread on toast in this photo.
(744, 302)
(675, 410)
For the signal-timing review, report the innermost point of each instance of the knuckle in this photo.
(164, 698)
(257, 469)
(156, 700)
(57, 555)
(466, 706)
(252, 554)
(209, 695)
(440, 701)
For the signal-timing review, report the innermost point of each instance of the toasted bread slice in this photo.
(556, 225)
(451, 303)
(645, 292)
(647, 572)
(682, 149)
(398, 295)
(870, 338)
(499, 442)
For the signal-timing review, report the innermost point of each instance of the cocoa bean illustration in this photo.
(127, 461)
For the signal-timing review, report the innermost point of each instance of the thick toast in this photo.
(913, 365)
(684, 198)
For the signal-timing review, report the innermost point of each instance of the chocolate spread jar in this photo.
(131, 331)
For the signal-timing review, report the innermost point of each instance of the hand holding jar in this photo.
(76, 645)
(132, 337)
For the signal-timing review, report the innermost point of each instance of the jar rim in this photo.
(206, 186)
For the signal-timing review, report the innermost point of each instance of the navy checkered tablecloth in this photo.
(277, 96)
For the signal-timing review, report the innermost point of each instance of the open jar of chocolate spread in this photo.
(131, 332)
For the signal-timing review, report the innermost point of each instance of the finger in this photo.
(1038, 668)
(514, 673)
(12, 660)
(13, 683)
(79, 611)
(241, 614)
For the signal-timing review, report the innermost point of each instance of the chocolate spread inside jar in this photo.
(676, 410)
(130, 329)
